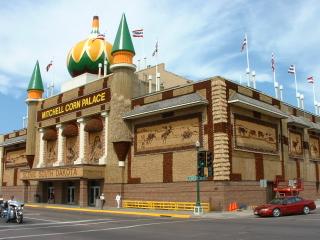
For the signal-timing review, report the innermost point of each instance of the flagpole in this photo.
(157, 79)
(314, 99)
(295, 82)
(275, 84)
(248, 64)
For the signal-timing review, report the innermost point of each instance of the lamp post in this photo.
(198, 209)
(198, 204)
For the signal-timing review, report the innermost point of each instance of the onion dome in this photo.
(86, 55)
(123, 50)
(35, 88)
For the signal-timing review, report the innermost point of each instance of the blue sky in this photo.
(197, 39)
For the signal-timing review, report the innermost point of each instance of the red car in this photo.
(285, 206)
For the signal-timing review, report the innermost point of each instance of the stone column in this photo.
(41, 162)
(82, 142)
(61, 141)
(221, 162)
(103, 159)
(83, 193)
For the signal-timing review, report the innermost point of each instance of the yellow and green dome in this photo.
(86, 55)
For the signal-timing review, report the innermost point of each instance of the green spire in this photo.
(36, 80)
(123, 40)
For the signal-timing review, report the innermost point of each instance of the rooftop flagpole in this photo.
(312, 81)
(245, 45)
(248, 64)
(296, 84)
(292, 70)
(275, 84)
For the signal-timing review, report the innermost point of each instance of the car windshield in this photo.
(276, 201)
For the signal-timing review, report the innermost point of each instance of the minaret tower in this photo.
(121, 93)
(35, 91)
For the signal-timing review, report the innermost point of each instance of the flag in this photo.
(244, 43)
(49, 66)
(137, 33)
(310, 79)
(155, 50)
(100, 36)
(292, 69)
(273, 63)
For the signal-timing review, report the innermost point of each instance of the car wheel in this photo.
(306, 210)
(276, 212)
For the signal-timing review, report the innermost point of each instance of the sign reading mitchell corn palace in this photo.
(114, 134)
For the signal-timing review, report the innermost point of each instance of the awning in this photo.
(181, 102)
(13, 141)
(299, 121)
(255, 105)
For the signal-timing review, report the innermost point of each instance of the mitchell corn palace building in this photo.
(109, 131)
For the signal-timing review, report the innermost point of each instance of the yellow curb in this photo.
(111, 211)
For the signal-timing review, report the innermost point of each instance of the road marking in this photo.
(58, 223)
(72, 225)
(93, 230)
(41, 219)
(110, 211)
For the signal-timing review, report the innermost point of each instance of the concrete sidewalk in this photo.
(144, 212)
(150, 212)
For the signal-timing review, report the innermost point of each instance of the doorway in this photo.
(270, 194)
(93, 195)
(71, 195)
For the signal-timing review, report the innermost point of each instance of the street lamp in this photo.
(198, 209)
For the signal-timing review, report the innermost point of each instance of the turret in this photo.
(123, 50)
(121, 93)
(35, 91)
(35, 88)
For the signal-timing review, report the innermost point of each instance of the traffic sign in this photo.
(194, 178)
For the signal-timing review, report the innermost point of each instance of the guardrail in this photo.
(176, 206)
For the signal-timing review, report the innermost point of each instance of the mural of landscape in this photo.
(255, 136)
(295, 144)
(170, 135)
(314, 147)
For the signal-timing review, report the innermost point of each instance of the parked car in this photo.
(285, 206)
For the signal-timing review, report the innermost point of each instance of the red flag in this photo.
(310, 79)
(49, 66)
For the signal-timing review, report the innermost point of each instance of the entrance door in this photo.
(51, 195)
(93, 195)
(71, 194)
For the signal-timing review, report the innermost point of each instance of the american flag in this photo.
(49, 66)
(137, 33)
(310, 79)
(101, 36)
(292, 69)
(273, 62)
(244, 43)
(155, 50)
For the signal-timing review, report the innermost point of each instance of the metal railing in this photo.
(159, 205)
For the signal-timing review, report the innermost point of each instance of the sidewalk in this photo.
(144, 212)
(149, 212)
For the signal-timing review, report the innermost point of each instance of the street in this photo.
(55, 224)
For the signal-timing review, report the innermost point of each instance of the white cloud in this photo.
(195, 40)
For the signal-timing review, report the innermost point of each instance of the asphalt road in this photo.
(53, 224)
